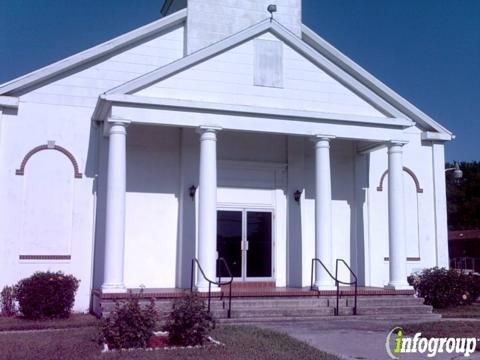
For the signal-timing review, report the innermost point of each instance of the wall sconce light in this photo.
(297, 195)
(192, 190)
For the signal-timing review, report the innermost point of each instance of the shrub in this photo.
(189, 322)
(7, 305)
(128, 325)
(443, 288)
(47, 295)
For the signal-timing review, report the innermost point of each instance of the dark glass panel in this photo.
(229, 241)
(259, 237)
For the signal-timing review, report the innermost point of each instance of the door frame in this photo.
(253, 208)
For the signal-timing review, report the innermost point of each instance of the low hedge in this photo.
(46, 295)
(442, 288)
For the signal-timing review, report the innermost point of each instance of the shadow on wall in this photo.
(148, 163)
(349, 174)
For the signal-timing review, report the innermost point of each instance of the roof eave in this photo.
(344, 62)
(8, 102)
(64, 65)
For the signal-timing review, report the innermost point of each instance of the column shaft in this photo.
(323, 212)
(396, 218)
(207, 207)
(115, 210)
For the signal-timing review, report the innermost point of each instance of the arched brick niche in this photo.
(50, 146)
(409, 172)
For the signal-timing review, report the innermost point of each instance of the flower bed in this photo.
(159, 341)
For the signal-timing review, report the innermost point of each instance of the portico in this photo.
(206, 197)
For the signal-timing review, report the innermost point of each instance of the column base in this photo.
(324, 286)
(113, 289)
(203, 288)
(398, 286)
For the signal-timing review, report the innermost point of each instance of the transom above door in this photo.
(245, 241)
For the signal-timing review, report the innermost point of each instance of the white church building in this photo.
(217, 131)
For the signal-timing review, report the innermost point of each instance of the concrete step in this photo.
(254, 313)
(321, 311)
(377, 301)
(389, 310)
(399, 318)
(302, 307)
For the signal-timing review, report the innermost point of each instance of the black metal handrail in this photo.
(337, 282)
(355, 282)
(218, 283)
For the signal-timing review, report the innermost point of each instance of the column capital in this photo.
(208, 129)
(322, 141)
(322, 138)
(397, 143)
(118, 121)
(396, 146)
(115, 126)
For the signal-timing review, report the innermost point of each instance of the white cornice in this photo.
(434, 136)
(201, 106)
(8, 102)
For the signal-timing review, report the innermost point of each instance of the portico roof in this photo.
(321, 54)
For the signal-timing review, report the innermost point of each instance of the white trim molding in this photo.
(105, 102)
(9, 102)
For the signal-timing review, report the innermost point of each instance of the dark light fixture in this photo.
(191, 191)
(457, 172)
(272, 9)
(297, 195)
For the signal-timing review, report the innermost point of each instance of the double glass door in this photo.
(244, 240)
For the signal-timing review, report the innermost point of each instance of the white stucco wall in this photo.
(153, 174)
(46, 207)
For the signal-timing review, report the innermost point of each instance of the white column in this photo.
(207, 206)
(323, 212)
(440, 192)
(396, 218)
(115, 211)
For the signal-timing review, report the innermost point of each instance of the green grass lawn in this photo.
(241, 342)
(74, 321)
(445, 328)
(467, 311)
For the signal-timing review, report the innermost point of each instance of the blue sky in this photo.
(428, 51)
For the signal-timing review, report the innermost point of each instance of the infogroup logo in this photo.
(397, 343)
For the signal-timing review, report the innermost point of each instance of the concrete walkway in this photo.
(350, 339)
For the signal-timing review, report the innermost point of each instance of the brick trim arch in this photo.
(50, 146)
(409, 172)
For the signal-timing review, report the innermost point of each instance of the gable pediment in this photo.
(285, 80)
(224, 73)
